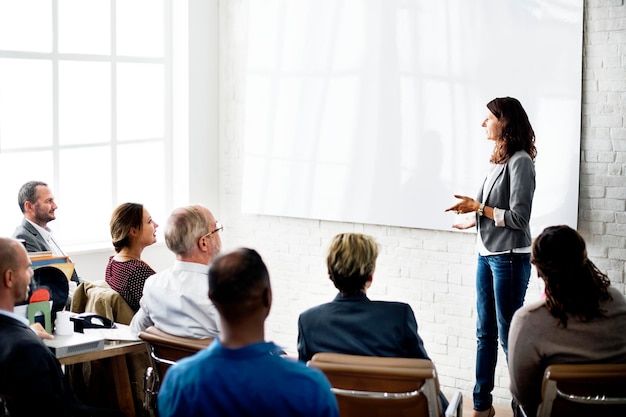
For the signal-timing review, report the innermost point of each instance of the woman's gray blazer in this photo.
(511, 188)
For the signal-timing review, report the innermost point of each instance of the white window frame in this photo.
(191, 129)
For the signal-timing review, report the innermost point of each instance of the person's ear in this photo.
(267, 298)
(7, 278)
(202, 244)
(27, 206)
(368, 283)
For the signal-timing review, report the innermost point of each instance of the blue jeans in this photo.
(501, 282)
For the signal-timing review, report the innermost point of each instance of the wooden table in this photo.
(116, 353)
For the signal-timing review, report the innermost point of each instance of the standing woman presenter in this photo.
(502, 208)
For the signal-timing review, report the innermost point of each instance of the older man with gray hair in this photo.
(175, 300)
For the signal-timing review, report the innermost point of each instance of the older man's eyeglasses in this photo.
(218, 228)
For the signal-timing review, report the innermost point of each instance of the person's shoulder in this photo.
(199, 360)
(520, 156)
(392, 305)
(308, 387)
(20, 232)
(313, 375)
(532, 308)
(161, 277)
(10, 324)
(615, 293)
(143, 266)
(313, 311)
(617, 300)
(135, 267)
(24, 230)
(19, 337)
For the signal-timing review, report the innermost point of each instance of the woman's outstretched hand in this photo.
(466, 205)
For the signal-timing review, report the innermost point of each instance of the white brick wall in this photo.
(433, 271)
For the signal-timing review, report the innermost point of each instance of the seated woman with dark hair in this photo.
(352, 323)
(132, 230)
(582, 318)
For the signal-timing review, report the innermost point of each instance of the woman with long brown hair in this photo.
(132, 230)
(502, 219)
(581, 319)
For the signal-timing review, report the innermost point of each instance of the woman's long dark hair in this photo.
(517, 133)
(574, 285)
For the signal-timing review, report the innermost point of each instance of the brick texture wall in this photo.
(433, 271)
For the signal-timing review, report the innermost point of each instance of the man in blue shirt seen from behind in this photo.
(241, 374)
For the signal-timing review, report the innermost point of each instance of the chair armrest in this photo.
(522, 412)
(455, 407)
(155, 335)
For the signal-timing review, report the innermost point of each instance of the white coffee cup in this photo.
(63, 325)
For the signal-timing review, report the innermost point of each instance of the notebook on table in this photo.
(74, 344)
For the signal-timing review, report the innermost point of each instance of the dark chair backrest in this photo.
(583, 390)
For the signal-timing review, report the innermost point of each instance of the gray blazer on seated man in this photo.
(37, 204)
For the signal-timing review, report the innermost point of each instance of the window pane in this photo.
(16, 168)
(146, 38)
(85, 26)
(26, 25)
(140, 101)
(25, 103)
(84, 102)
(84, 197)
(141, 176)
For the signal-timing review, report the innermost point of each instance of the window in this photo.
(86, 105)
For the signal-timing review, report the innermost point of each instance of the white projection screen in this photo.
(370, 111)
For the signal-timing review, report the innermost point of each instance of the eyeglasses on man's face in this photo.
(218, 228)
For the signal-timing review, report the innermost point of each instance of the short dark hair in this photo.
(28, 192)
(124, 217)
(237, 281)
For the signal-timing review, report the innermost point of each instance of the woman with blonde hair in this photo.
(132, 230)
(352, 323)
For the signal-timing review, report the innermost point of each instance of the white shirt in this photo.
(46, 233)
(177, 301)
(15, 316)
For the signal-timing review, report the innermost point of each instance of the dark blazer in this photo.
(30, 375)
(355, 325)
(31, 378)
(33, 241)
